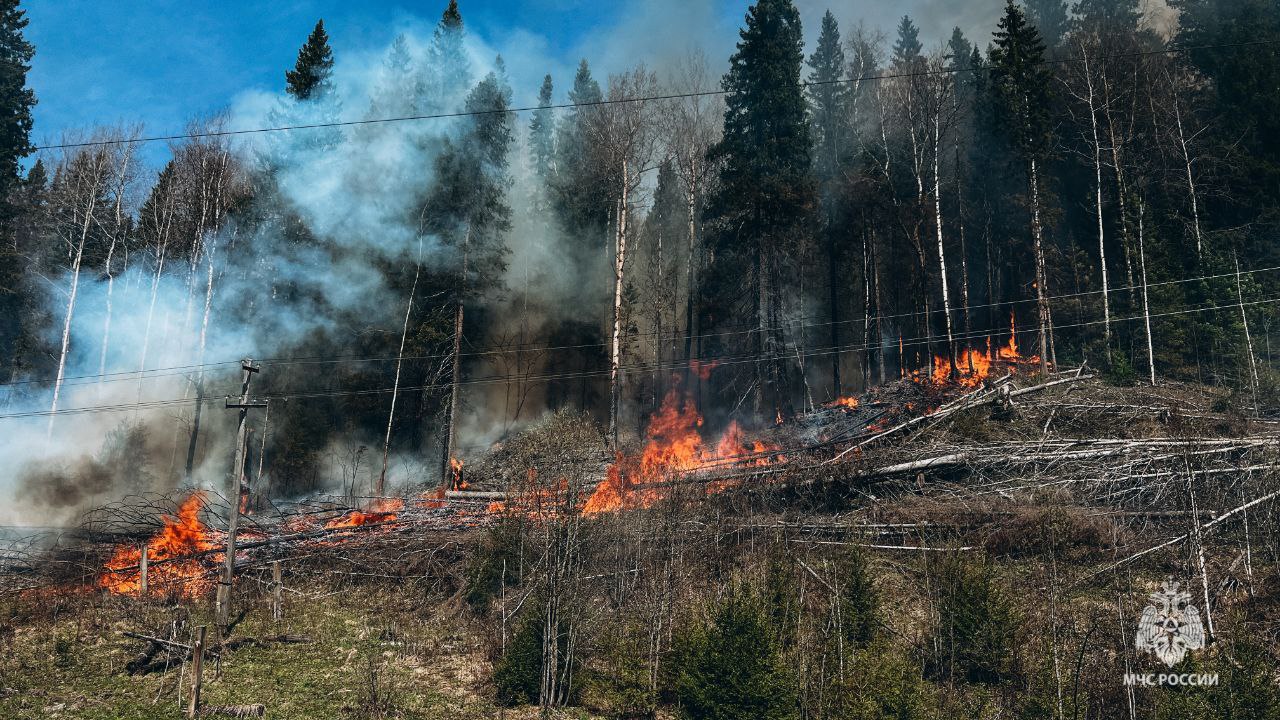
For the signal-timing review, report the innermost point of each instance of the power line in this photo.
(150, 373)
(617, 101)
(636, 368)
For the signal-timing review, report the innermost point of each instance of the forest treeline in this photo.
(838, 216)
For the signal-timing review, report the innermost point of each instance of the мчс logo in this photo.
(1170, 625)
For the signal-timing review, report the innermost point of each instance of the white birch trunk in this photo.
(1146, 303)
(1042, 301)
(615, 345)
(395, 385)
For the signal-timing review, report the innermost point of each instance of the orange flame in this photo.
(381, 511)
(974, 367)
(849, 403)
(183, 536)
(674, 446)
(455, 469)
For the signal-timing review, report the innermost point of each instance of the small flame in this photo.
(381, 511)
(455, 469)
(849, 403)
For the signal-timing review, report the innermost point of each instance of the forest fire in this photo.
(182, 537)
(973, 367)
(382, 511)
(674, 446)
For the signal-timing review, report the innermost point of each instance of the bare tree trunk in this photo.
(1146, 304)
(866, 311)
(204, 334)
(1097, 169)
(937, 222)
(71, 307)
(1042, 301)
(690, 311)
(1248, 340)
(1191, 181)
(451, 430)
(619, 269)
(380, 488)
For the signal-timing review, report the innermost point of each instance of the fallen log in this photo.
(238, 711)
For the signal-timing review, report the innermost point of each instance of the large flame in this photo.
(674, 446)
(974, 367)
(178, 542)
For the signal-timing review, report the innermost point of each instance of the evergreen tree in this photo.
(310, 76)
(467, 207)
(959, 54)
(1022, 98)
(582, 197)
(1108, 17)
(449, 69)
(1050, 18)
(542, 135)
(1224, 37)
(732, 672)
(828, 103)
(765, 190)
(390, 97)
(16, 101)
(907, 48)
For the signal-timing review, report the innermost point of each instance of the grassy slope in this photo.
(74, 667)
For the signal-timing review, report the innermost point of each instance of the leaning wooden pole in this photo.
(223, 602)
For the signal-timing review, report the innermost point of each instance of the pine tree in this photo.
(16, 101)
(450, 67)
(542, 135)
(732, 671)
(310, 76)
(765, 189)
(828, 103)
(1050, 18)
(1021, 85)
(907, 48)
(1108, 17)
(582, 195)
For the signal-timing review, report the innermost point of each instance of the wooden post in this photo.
(142, 573)
(223, 601)
(197, 663)
(277, 589)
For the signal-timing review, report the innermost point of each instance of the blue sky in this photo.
(162, 62)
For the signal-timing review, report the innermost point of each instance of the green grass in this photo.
(73, 666)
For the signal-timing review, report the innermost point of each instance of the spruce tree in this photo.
(732, 672)
(765, 189)
(541, 134)
(1050, 18)
(1117, 18)
(581, 196)
(449, 66)
(907, 48)
(310, 76)
(16, 101)
(828, 103)
(1022, 97)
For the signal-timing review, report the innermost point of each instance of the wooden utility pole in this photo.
(455, 375)
(223, 605)
(197, 665)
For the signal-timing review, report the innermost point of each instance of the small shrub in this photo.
(617, 682)
(1119, 371)
(731, 671)
(882, 684)
(517, 676)
(977, 626)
